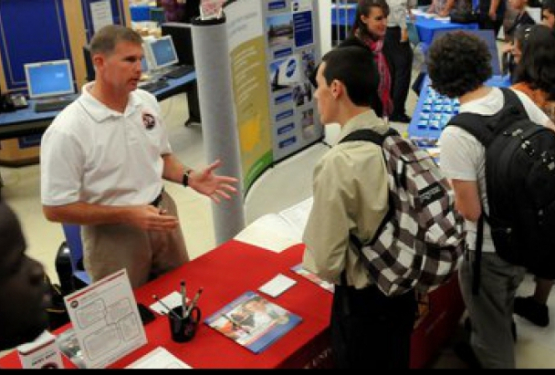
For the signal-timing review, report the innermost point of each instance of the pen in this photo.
(183, 299)
(166, 306)
(194, 302)
(235, 323)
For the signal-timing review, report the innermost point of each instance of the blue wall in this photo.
(36, 30)
(31, 31)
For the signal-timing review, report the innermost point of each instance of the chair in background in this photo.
(72, 233)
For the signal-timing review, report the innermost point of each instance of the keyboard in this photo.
(154, 86)
(52, 105)
(180, 71)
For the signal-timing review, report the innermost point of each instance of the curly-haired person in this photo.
(459, 65)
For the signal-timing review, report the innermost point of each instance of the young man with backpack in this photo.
(350, 192)
(459, 65)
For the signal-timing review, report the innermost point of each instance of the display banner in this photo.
(250, 87)
(292, 49)
(274, 45)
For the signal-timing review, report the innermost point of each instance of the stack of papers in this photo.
(277, 232)
(158, 358)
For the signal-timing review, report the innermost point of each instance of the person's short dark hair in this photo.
(548, 5)
(458, 62)
(106, 39)
(363, 9)
(356, 69)
(537, 63)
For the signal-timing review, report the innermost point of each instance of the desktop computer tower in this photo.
(181, 34)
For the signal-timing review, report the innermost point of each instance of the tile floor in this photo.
(271, 193)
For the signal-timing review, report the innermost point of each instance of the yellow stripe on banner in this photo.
(126, 10)
(75, 24)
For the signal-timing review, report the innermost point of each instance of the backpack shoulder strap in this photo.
(477, 125)
(474, 124)
(369, 135)
(512, 99)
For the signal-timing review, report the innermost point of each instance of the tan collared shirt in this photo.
(350, 196)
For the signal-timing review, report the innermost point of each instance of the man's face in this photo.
(324, 97)
(121, 70)
(548, 19)
(23, 298)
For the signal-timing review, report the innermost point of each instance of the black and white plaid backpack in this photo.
(420, 242)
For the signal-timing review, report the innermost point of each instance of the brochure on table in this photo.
(106, 320)
(278, 231)
(253, 322)
(159, 358)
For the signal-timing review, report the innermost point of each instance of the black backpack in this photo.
(520, 185)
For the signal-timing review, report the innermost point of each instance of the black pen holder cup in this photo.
(184, 329)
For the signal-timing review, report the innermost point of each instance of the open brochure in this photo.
(253, 322)
(278, 231)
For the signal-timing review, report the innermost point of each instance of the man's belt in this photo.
(156, 202)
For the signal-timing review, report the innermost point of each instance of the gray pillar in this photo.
(219, 123)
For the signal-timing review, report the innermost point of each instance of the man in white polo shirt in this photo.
(103, 162)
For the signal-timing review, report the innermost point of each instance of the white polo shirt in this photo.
(93, 154)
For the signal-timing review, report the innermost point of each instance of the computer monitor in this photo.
(161, 52)
(182, 41)
(49, 78)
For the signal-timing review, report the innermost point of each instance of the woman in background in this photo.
(534, 52)
(368, 31)
(522, 19)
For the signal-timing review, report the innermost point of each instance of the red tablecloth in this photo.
(233, 268)
(225, 273)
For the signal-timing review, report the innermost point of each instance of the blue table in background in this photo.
(140, 12)
(428, 26)
(344, 16)
(433, 111)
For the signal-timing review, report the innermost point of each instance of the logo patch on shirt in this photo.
(149, 121)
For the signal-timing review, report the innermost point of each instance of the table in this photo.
(25, 122)
(225, 273)
(428, 26)
(433, 111)
(235, 267)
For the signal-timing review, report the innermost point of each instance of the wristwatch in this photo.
(185, 181)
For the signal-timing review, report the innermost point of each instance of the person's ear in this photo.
(336, 88)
